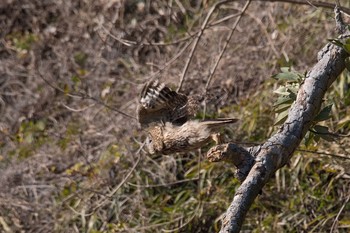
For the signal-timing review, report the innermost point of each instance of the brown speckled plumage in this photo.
(165, 115)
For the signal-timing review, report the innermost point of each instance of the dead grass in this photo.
(69, 163)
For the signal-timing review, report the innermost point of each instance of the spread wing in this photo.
(158, 103)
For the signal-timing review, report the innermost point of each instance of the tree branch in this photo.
(315, 3)
(258, 164)
(243, 159)
(195, 43)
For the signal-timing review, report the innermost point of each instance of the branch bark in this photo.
(256, 165)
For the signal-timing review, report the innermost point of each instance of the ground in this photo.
(70, 157)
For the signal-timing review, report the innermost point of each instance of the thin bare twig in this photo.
(301, 150)
(264, 29)
(158, 224)
(324, 153)
(330, 134)
(340, 211)
(212, 71)
(170, 61)
(195, 43)
(178, 41)
(111, 193)
(164, 185)
(311, 2)
(187, 222)
(84, 96)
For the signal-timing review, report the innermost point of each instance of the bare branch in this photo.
(242, 158)
(212, 71)
(341, 210)
(277, 151)
(84, 95)
(339, 156)
(313, 3)
(195, 43)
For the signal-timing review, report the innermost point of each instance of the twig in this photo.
(300, 2)
(178, 41)
(125, 42)
(311, 2)
(170, 61)
(84, 96)
(5, 226)
(158, 224)
(163, 185)
(330, 134)
(254, 144)
(195, 43)
(337, 217)
(324, 153)
(265, 31)
(76, 110)
(187, 222)
(212, 71)
(111, 193)
(340, 26)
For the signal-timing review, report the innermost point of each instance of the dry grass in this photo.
(70, 163)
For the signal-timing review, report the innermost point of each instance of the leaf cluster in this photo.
(291, 81)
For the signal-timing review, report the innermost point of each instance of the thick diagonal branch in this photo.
(278, 150)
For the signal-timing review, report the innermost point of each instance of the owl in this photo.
(166, 116)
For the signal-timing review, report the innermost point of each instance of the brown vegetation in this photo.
(71, 158)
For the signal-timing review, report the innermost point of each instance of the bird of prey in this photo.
(166, 116)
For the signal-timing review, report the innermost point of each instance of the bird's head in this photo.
(154, 141)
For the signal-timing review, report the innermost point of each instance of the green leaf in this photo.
(323, 132)
(293, 89)
(327, 137)
(287, 76)
(308, 138)
(344, 122)
(346, 45)
(324, 114)
(284, 100)
(282, 107)
(286, 69)
(192, 172)
(347, 63)
(281, 117)
(347, 48)
(182, 197)
(336, 42)
(321, 129)
(282, 91)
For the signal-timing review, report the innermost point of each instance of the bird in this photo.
(166, 116)
(158, 103)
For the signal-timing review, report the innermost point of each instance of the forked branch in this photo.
(258, 164)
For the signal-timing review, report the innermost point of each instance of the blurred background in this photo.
(71, 156)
